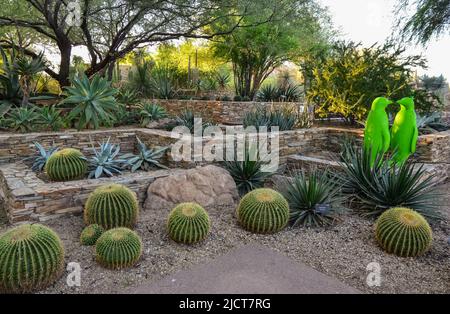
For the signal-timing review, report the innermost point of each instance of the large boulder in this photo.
(208, 186)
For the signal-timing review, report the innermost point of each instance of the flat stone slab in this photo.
(251, 269)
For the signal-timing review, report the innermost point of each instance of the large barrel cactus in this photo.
(118, 248)
(66, 164)
(188, 223)
(112, 206)
(263, 211)
(31, 258)
(90, 234)
(403, 232)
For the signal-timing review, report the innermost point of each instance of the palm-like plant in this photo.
(26, 68)
(222, 79)
(40, 159)
(105, 161)
(50, 118)
(314, 199)
(146, 157)
(22, 119)
(268, 93)
(94, 101)
(151, 112)
(10, 91)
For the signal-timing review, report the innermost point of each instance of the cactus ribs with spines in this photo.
(112, 206)
(66, 164)
(118, 248)
(263, 211)
(188, 223)
(31, 258)
(403, 232)
(90, 234)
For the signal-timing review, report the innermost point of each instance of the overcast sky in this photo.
(371, 21)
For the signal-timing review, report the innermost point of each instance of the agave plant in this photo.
(105, 161)
(284, 119)
(123, 116)
(247, 173)
(140, 78)
(151, 112)
(268, 93)
(127, 97)
(40, 159)
(314, 199)
(263, 117)
(162, 82)
(257, 118)
(187, 118)
(289, 92)
(50, 118)
(146, 158)
(22, 119)
(94, 101)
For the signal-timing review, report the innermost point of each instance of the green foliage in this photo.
(127, 97)
(50, 118)
(346, 81)
(94, 101)
(151, 112)
(146, 158)
(31, 258)
(433, 83)
(187, 118)
(268, 93)
(105, 161)
(22, 119)
(188, 223)
(140, 78)
(66, 164)
(222, 79)
(40, 159)
(111, 206)
(90, 234)
(305, 192)
(385, 185)
(403, 232)
(263, 211)
(124, 116)
(118, 248)
(163, 82)
(10, 90)
(263, 117)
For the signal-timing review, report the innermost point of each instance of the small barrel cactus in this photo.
(263, 211)
(188, 223)
(118, 248)
(90, 234)
(112, 206)
(66, 164)
(403, 232)
(31, 258)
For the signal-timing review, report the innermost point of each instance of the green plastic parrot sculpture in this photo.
(376, 134)
(404, 131)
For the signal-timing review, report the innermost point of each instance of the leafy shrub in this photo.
(40, 159)
(237, 98)
(263, 211)
(50, 118)
(22, 119)
(32, 258)
(105, 161)
(188, 223)
(90, 234)
(146, 158)
(66, 164)
(225, 98)
(305, 194)
(151, 112)
(94, 101)
(112, 206)
(403, 232)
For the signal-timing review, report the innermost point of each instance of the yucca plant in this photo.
(10, 91)
(40, 159)
(151, 112)
(94, 101)
(284, 119)
(146, 157)
(314, 199)
(50, 118)
(26, 68)
(268, 93)
(222, 79)
(105, 161)
(22, 119)
(289, 92)
(140, 79)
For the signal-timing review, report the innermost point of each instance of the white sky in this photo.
(370, 21)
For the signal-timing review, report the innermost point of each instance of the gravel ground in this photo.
(342, 252)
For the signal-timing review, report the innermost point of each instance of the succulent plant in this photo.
(66, 164)
(105, 161)
(263, 211)
(40, 159)
(31, 258)
(50, 118)
(151, 112)
(112, 206)
(188, 223)
(188, 119)
(146, 158)
(403, 232)
(22, 119)
(90, 234)
(118, 248)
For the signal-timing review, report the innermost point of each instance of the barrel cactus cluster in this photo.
(90, 234)
(66, 164)
(263, 211)
(31, 258)
(118, 248)
(188, 223)
(112, 206)
(403, 232)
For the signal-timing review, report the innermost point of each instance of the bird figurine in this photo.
(376, 133)
(404, 132)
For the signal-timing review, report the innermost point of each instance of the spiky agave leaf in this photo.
(40, 159)
(146, 158)
(105, 161)
(22, 119)
(151, 112)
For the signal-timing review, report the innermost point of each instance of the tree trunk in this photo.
(64, 65)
